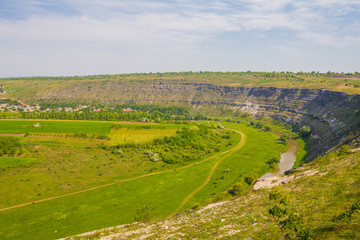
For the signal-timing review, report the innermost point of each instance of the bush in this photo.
(144, 213)
(273, 162)
(344, 150)
(284, 138)
(238, 189)
(267, 128)
(195, 206)
(251, 178)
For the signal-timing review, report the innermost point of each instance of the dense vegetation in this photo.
(10, 102)
(10, 146)
(138, 113)
(187, 145)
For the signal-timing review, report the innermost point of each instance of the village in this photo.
(15, 108)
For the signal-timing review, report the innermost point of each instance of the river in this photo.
(287, 160)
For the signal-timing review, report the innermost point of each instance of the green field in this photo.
(6, 162)
(137, 134)
(26, 126)
(70, 165)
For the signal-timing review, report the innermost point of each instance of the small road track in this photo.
(228, 152)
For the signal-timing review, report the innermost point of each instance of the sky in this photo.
(86, 37)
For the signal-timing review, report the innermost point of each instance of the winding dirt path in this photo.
(228, 152)
(237, 147)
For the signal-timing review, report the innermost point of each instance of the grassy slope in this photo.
(330, 191)
(70, 215)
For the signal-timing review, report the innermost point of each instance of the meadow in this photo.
(58, 126)
(137, 134)
(6, 162)
(93, 186)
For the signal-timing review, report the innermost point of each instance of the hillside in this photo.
(323, 193)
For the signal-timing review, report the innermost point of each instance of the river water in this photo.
(287, 160)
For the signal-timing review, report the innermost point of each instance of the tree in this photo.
(304, 131)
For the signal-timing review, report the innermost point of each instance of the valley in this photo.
(100, 151)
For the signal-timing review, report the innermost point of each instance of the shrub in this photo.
(226, 136)
(195, 206)
(251, 178)
(284, 138)
(144, 213)
(238, 189)
(267, 128)
(343, 150)
(273, 162)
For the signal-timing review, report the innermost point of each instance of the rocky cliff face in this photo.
(331, 115)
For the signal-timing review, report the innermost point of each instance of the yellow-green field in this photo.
(138, 136)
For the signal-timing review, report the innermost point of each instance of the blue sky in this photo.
(85, 37)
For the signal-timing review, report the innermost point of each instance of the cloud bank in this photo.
(81, 37)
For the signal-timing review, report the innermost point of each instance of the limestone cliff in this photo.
(331, 115)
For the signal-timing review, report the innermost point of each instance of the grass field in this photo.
(138, 134)
(6, 162)
(26, 126)
(68, 165)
